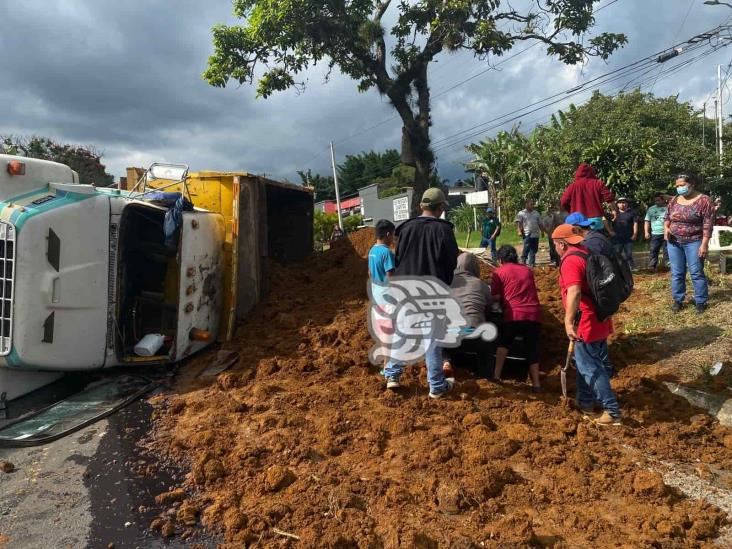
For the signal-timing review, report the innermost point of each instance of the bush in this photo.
(463, 218)
(352, 222)
(323, 226)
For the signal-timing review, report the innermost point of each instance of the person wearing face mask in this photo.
(688, 228)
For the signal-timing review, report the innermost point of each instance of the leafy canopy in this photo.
(637, 143)
(280, 39)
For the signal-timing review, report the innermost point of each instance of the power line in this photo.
(447, 143)
(696, 42)
(461, 140)
(535, 103)
(542, 118)
(678, 31)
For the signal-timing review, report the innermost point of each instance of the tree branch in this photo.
(381, 8)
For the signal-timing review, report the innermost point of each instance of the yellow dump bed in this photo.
(264, 219)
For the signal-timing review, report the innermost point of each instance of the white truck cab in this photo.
(86, 272)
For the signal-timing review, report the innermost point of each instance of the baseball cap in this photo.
(567, 232)
(433, 197)
(623, 199)
(489, 210)
(578, 219)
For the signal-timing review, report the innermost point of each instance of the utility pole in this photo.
(335, 180)
(720, 121)
(716, 127)
(704, 124)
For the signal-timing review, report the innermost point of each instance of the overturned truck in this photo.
(87, 273)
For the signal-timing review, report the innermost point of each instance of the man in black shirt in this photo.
(625, 227)
(426, 246)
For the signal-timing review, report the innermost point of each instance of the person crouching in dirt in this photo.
(585, 329)
(474, 296)
(426, 246)
(514, 288)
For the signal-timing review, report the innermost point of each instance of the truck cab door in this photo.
(200, 288)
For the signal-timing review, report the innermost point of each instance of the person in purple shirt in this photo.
(688, 228)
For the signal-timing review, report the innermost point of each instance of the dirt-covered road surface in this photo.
(299, 445)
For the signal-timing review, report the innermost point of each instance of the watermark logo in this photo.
(410, 314)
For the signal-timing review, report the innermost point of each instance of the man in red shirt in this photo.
(587, 195)
(589, 334)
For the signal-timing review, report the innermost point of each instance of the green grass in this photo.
(509, 236)
(506, 237)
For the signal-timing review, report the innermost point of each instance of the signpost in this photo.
(401, 208)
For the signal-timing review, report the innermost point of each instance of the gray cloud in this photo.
(125, 76)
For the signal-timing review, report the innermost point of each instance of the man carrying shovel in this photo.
(585, 331)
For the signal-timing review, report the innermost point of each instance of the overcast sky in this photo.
(125, 76)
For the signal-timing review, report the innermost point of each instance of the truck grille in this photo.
(7, 272)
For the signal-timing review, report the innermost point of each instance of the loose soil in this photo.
(301, 439)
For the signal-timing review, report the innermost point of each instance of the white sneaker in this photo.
(449, 384)
(392, 383)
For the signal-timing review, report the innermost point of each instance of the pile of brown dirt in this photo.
(300, 437)
(361, 241)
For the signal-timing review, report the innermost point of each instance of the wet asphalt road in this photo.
(82, 491)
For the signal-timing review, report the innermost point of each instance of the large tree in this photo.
(280, 39)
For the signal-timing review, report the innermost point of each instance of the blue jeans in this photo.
(593, 381)
(486, 242)
(531, 246)
(625, 250)
(683, 257)
(435, 374)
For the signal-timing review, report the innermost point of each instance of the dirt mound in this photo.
(300, 438)
(362, 240)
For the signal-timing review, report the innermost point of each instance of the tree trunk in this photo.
(418, 133)
(422, 170)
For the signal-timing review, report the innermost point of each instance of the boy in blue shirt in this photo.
(381, 266)
(381, 258)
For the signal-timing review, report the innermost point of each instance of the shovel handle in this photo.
(570, 350)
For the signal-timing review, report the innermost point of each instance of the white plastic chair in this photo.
(714, 243)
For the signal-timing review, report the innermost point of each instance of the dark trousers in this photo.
(474, 354)
(531, 246)
(553, 255)
(657, 244)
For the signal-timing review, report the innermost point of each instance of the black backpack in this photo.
(610, 281)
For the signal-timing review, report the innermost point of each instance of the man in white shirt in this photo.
(528, 224)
